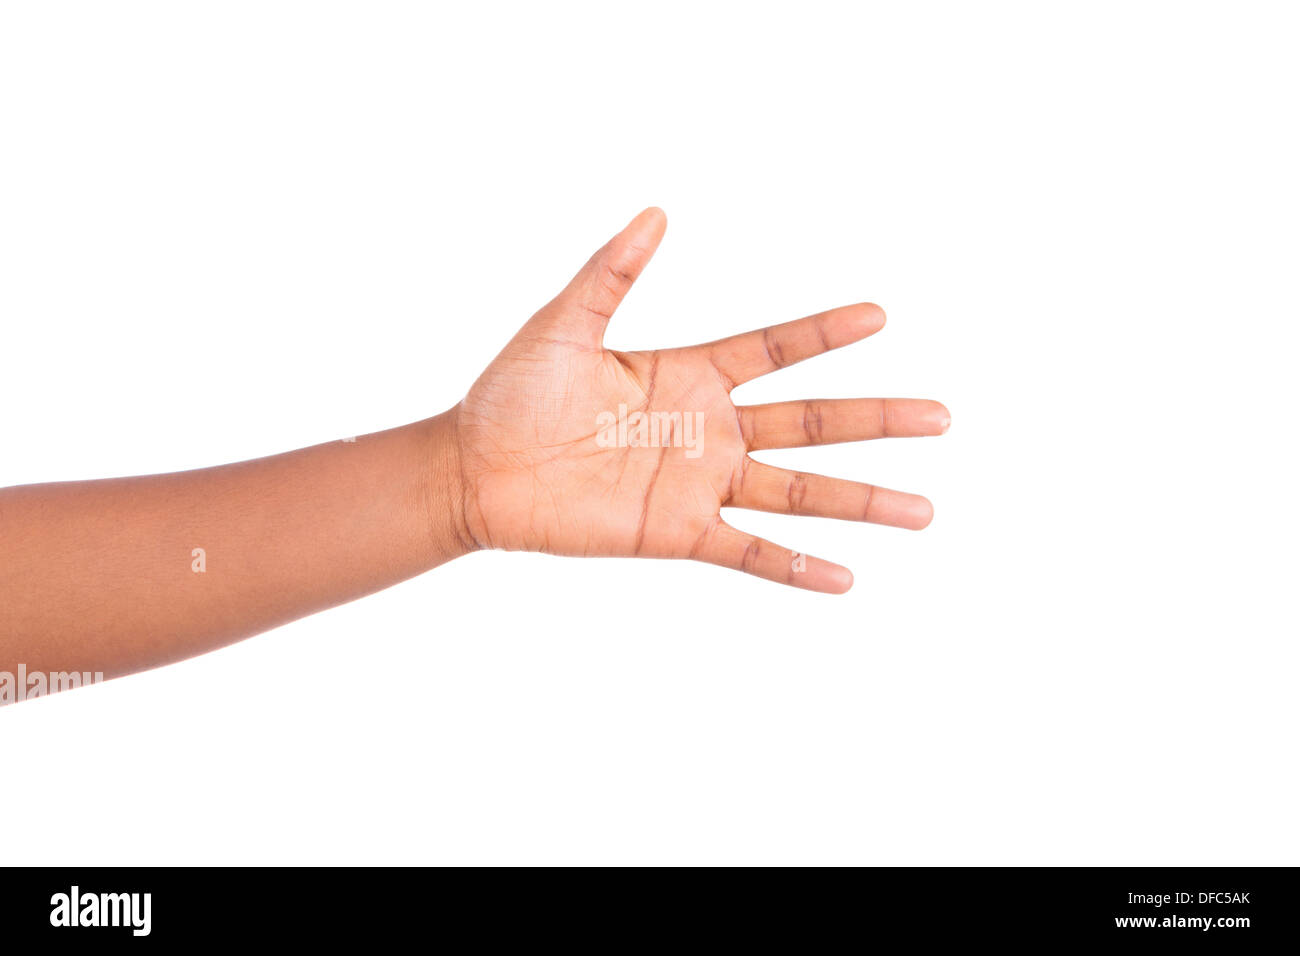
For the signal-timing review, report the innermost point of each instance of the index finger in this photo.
(751, 354)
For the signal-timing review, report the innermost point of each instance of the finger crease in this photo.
(812, 423)
(773, 349)
(738, 480)
(745, 422)
(820, 326)
(620, 275)
(796, 492)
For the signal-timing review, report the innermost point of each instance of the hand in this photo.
(571, 448)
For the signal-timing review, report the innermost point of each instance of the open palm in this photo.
(574, 449)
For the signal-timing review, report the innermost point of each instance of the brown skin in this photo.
(98, 575)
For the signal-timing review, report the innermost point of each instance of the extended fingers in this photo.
(739, 551)
(751, 354)
(826, 421)
(767, 488)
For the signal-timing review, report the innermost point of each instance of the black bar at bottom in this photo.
(1223, 908)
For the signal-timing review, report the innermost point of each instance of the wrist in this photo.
(445, 501)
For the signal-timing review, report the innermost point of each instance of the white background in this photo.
(228, 230)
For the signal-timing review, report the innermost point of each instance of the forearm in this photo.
(124, 574)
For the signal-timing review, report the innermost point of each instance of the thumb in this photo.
(589, 300)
